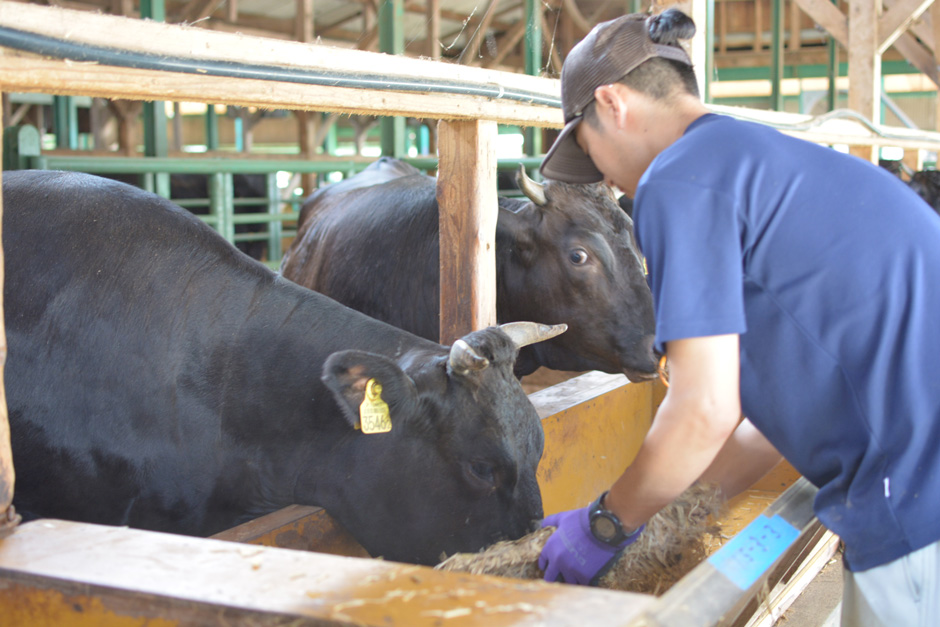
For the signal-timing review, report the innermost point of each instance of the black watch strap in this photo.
(605, 525)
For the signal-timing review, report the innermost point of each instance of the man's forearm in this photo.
(746, 457)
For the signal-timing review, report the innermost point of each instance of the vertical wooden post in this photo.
(865, 67)
(466, 194)
(304, 21)
(8, 516)
(433, 14)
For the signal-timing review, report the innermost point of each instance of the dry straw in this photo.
(673, 543)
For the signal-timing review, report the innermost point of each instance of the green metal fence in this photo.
(22, 150)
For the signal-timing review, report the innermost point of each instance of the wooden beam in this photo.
(304, 21)
(864, 66)
(758, 25)
(796, 17)
(300, 527)
(479, 32)
(55, 572)
(897, 19)
(829, 17)
(918, 56)
(26, 73)
(433, 42)
(721, 7)
(466, 194)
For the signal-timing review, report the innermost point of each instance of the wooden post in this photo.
(466, 194)
(307, 122)
(864, 67)
(8, 516)
(433, 14)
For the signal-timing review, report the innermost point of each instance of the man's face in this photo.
(608, 147)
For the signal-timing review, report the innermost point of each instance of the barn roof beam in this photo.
(896, 20)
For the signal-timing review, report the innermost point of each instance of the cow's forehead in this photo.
(592, 205)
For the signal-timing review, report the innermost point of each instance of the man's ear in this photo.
(611, 102)
(347, 374)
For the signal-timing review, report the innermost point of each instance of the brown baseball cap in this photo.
(608, 53)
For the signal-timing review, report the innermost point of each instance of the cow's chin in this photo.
(638, 376)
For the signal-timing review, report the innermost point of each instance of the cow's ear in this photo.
(515, 232)
(347, 374)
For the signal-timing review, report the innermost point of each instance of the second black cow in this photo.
(567, 255)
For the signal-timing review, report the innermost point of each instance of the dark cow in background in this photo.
(567, 255)
(185, 187)
(160, 379)
(927, 185)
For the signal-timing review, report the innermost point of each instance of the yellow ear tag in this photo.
(373, 413)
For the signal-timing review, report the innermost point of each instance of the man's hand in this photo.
(572, 554)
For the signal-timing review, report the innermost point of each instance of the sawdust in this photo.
(674, 542)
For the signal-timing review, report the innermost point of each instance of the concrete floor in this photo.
(820, 602)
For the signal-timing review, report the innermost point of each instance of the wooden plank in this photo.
(299, 527)
(171, 40)
(57, 572)
(21, 73)
(829, 17)
(791, 578)
(897, 19)
(918, 56)
(864, 67)
(466, 194)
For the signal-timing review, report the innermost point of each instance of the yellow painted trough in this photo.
(55, 572)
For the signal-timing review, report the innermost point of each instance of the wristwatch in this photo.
(605, 526)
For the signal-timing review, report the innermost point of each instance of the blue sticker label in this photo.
(745, 558)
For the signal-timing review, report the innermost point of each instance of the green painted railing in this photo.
(22, 151)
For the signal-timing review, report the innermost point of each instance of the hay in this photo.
(673, 543)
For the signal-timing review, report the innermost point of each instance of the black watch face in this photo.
(604, 527)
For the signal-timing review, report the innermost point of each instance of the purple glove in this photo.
(572, 554)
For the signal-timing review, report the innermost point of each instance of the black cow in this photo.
(158, 378)
(927, 185)
(567, 255)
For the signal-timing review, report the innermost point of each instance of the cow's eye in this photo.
(578, 256)
(483, 471)
(481, 475)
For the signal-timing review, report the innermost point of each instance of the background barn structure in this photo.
(305, 91)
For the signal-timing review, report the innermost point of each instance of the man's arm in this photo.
(700, 412)
(746, 457)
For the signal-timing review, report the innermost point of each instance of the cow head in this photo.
(456, 470)
(572, 253)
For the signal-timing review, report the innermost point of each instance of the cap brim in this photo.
(566, 162)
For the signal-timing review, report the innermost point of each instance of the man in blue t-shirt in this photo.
(793, 284)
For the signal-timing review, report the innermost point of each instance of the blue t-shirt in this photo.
(829, 269)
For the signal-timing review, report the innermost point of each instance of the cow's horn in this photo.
(463, 359)
(525, 333)
(534, 191)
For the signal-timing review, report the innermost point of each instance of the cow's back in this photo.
(375, 249)
(115, 312)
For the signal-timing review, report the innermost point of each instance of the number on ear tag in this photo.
(373, 413)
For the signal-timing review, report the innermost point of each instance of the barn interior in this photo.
(781, 62)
